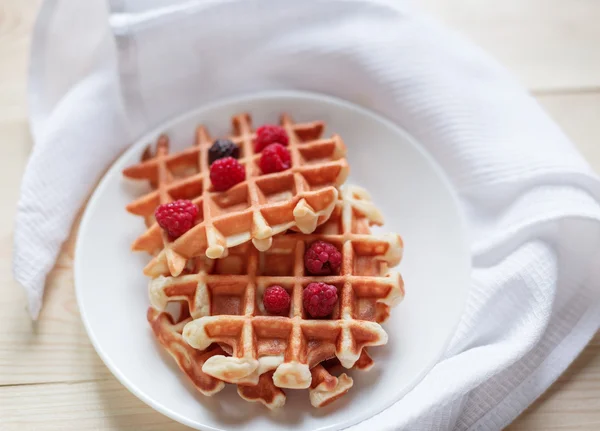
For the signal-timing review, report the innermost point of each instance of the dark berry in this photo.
(222, 148)
(322, 258)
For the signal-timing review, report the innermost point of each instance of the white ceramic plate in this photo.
(417, 202)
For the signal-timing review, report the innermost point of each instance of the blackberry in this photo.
(222, 148)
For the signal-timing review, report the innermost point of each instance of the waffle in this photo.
(225, 301)
(262, 206)
(167, 331)
(324, 390)
(325, 387)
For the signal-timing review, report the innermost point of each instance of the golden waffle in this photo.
(225, 299)
(264, 392)
(167, 331)
(262, 206)
(325, 388)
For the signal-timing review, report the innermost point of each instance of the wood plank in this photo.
(106, 405)
(16, 21)
(15, 145)
(54, 349)
(99, 405)
(551, 45)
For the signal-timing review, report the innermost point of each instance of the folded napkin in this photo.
(101, 76)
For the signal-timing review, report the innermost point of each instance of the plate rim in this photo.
(246, 97)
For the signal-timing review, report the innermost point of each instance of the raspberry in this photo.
(276, 300)
(222, 148)
(226, 173)
(269, 134)
(319, 299)
(322, 258)
(176, 217)
(275, 158)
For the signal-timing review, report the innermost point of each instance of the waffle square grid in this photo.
(225, 300)
(301, 197)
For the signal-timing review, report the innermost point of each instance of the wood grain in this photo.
(50, 376)
(79, 406)
(54, 349)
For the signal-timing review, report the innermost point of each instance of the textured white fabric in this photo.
(531, 202)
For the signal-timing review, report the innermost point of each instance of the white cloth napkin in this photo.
(531, 202)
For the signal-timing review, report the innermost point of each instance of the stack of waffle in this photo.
(207, 286)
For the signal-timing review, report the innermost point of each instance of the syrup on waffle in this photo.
(225, 299)
(262, 206)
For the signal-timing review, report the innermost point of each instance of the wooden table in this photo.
(50, 376)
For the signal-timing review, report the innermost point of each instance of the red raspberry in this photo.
(275, 158)
(319, 299)
(276, 300)
(269, 134)
(176, 217)
(226, 173)
(322, 258)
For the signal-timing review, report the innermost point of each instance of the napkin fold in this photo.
(103, 74)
